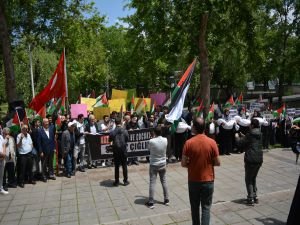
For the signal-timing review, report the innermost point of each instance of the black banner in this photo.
(137, 144)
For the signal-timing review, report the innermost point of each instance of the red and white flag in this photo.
(56, 88)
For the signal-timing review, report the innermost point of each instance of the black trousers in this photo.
(120, 159)
(9, 173)
(179, 141)
(25, 167)
(47, 164)
(251, 171)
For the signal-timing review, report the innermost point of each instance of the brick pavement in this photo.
(89, 198)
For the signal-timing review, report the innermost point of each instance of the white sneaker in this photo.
(3, 192)
(103, 164)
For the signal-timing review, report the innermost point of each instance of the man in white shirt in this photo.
(158, 162)
(25, 146)
(2, 164)
(79, 150)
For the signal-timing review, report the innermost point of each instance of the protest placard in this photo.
(77, 109)
(159, 98)
(90, 102)
(99, 112)
(119, 94)
(115, 104)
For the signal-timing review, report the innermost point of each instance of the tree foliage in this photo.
(246, 40)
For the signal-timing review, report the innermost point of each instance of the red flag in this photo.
(16, 118)
(239, 100)
(56, 87)
(42, 112)
(104, 99)
(200, 107)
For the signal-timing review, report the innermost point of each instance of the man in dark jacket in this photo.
(119, 137)
(67, 145)
(46, 145)
(252, 143)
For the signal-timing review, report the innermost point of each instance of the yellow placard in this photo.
(99, 112)
(119, 94)
(89, 102)
(138, 101)
(115, 104)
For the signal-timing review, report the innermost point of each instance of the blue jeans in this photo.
(68, 160)
(201, 192)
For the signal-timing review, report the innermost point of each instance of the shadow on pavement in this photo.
(270, 221)
(107, 183)
(140, 200)
(241, 201)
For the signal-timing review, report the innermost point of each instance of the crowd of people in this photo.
(30, 155)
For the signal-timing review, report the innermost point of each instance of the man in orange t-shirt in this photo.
(200, 155)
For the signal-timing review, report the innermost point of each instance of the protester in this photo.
(79, 150)
(2, 164)
(119, 138)
(252, 143)
(107, 124)
(46, 143)
(25, 146)
(67, 145)
(9, 169)
(37, 169)
(158, 162)
(91, 128)
(295, 140)
(225, 136)
(200, 155)
(133, 125)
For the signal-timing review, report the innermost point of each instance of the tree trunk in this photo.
(205, 73)
(10, 82)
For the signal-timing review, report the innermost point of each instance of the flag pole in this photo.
(31, 72)
(18, 117)
(66, 81)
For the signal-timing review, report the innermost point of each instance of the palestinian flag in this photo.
(179, 93)
(229, 103)
(51, 107)
(101, 101)
(41, 114)
(58, 123)
(280, 111)
(211, 112)
(199, 108)
(14, 123)
(153, 107)
(141, 106)
(239, 100)
(132, 105)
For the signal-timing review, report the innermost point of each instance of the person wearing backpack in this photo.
(119, 138)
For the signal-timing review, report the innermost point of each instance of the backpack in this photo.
(119, 140)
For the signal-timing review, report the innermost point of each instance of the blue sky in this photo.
(112, 9)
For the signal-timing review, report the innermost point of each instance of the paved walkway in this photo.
(89, 198)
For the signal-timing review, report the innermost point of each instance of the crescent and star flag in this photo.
(179, 93)
(56, 88)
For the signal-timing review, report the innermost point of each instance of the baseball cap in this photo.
(71, 123)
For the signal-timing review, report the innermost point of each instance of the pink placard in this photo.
(159, 98)
(77, 109)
